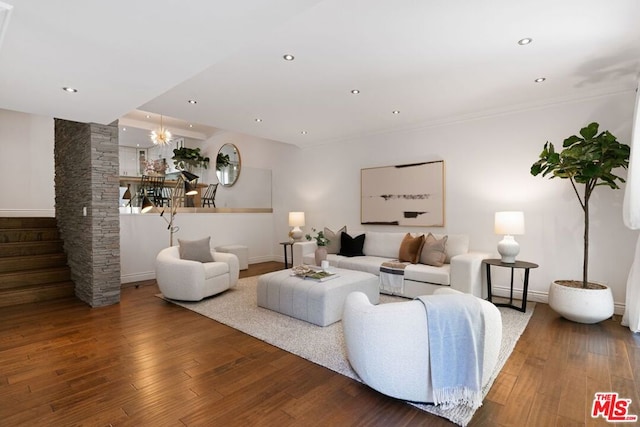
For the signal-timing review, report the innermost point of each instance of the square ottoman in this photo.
(320, 303)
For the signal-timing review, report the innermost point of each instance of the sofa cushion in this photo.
(428, 274)
(196, 250)
(351, 246)
(457, 244)
(214, 269)
(366, 263)
(410, 248)
(383, 244)
(334, 239)
(433, 251)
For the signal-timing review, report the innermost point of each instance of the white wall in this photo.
(487, 170)
(26, 152)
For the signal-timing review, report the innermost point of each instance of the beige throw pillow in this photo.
(433, 251)
(334, 239)
(410, 248)
(196, 250)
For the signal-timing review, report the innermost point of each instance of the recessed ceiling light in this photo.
(148, 116)
(192, 101)
(355, 91)
(69, 89)
(304, 132)
(190, 125)
(258, 120)
(124, 129)
(289, 57)
(525, 41)
(396, 112)
(540, 79)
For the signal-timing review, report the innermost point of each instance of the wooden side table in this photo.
(518, 264)
(286, 259)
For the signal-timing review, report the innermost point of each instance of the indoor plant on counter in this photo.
(188, 158)
(589, 160)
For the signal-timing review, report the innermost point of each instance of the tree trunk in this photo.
(585, 260)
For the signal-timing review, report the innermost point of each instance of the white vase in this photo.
(579, 304)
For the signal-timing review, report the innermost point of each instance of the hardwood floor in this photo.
(149, 362)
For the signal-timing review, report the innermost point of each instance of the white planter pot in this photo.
(581, 305)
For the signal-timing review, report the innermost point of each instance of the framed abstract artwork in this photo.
(409, 195)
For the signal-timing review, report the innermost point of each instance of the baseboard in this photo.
(543, 297)
(137, 277)
(48, 213)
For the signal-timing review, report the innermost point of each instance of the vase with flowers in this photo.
(322, 242)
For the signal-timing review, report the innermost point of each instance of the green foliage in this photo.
(589, 159)
(586, 159)
(222, 161)
(320, 238)
(185, 158)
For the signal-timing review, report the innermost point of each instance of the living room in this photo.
(487, 151)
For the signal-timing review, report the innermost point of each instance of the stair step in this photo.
(30, 248)
(30, 294)
(34, 277)
(10, 235)
(28, 222)
(32, 262)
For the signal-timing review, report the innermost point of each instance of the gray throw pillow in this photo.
(196, 250)
(334, 239)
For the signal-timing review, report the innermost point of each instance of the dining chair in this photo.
(152, 188)
(210, 195)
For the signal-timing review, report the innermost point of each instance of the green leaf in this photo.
(571, 140)
(589, 131)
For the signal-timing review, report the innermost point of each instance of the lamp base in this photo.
(296, 234)
(508, 248)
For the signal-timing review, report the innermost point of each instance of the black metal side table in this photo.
(518, 264)
(286, 259)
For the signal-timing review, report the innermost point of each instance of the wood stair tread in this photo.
(33, 265)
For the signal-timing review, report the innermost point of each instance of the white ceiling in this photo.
(434, 61)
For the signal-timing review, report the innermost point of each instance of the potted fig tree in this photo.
(587, 160)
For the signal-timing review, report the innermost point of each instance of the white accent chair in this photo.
(187, 280)
(388, 345)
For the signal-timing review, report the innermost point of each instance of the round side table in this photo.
(518, 264)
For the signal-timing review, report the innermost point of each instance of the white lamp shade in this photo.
(509, 223)
(296, 219)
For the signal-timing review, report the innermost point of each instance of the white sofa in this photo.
(388, 345)
(187, 280)
(461, 271)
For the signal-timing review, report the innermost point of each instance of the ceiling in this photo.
(431, 61)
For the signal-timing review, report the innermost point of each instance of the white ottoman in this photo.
(320, 303)
(242, 252)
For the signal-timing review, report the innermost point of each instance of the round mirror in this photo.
(228, 165)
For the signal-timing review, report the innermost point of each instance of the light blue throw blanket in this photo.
(456, 348)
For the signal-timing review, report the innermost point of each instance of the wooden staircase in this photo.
(33, 266)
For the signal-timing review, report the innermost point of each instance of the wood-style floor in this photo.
(149, 362)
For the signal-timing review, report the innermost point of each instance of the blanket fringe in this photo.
(453, 396)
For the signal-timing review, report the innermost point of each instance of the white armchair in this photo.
(193, 280)
(388, 345)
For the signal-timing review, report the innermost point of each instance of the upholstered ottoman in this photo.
(242, 252)
(320, 303)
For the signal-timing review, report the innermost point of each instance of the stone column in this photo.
(87, 193)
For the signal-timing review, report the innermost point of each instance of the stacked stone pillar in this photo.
(87, 196)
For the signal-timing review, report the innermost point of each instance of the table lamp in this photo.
(509, 224)
(296, 220)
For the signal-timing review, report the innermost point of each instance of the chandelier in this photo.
(162, 136)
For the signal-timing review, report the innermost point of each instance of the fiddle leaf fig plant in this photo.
(588, 159)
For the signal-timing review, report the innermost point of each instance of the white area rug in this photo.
(238, 308)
